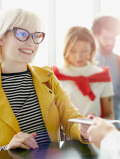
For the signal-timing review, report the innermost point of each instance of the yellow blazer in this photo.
(55, 105)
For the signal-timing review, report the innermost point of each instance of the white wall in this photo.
(58, 16)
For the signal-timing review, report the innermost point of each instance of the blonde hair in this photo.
(17, 17)
(72, 36)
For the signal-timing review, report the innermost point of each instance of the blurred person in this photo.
(105, 30)
(106, 137)
(32, 102)
(89, 87)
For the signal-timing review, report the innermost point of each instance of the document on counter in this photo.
(90, 121)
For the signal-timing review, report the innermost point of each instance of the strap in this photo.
(118, 59)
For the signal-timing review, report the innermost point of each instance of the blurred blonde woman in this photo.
(89, 87)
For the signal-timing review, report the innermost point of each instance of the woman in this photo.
(89, 87)
(32, 103)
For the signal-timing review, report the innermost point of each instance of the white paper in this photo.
(90, 121)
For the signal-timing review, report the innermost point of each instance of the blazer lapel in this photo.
(6, 113)
(44, 94)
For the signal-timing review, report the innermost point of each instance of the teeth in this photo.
(27, 51)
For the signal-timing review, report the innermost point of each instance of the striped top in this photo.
(22, 97)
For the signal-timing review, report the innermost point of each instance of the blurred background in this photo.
(59, 15)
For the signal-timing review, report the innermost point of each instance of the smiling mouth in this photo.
(79, 61)
(26, 51)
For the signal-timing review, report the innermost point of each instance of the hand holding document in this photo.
(90, 121)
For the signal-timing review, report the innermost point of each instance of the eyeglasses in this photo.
(23, 35)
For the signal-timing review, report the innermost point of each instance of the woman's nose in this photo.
(30, 40)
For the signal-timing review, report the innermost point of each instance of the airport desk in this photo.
(63, 150)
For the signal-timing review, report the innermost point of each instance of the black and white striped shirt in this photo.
(22, 97)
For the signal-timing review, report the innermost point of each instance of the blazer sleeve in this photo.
(66, 110)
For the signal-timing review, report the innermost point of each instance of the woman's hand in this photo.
(84, 127)
(89, 114)
(99, 130)
(23, 140)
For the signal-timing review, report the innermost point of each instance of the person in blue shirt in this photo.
(105, 30)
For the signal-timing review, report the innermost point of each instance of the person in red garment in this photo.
(89, 86)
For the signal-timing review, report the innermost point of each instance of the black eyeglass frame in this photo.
(30, 34)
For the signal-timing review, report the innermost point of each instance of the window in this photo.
(70, 13)
(114, 10)
(58, 16)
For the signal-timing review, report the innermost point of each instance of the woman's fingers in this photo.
(90, 116)
(32, 142)
(83, 130)
(29, 140)
(23, 140)
(18, 145)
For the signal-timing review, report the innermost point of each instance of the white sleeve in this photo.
(108, 90)
(110, 146)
